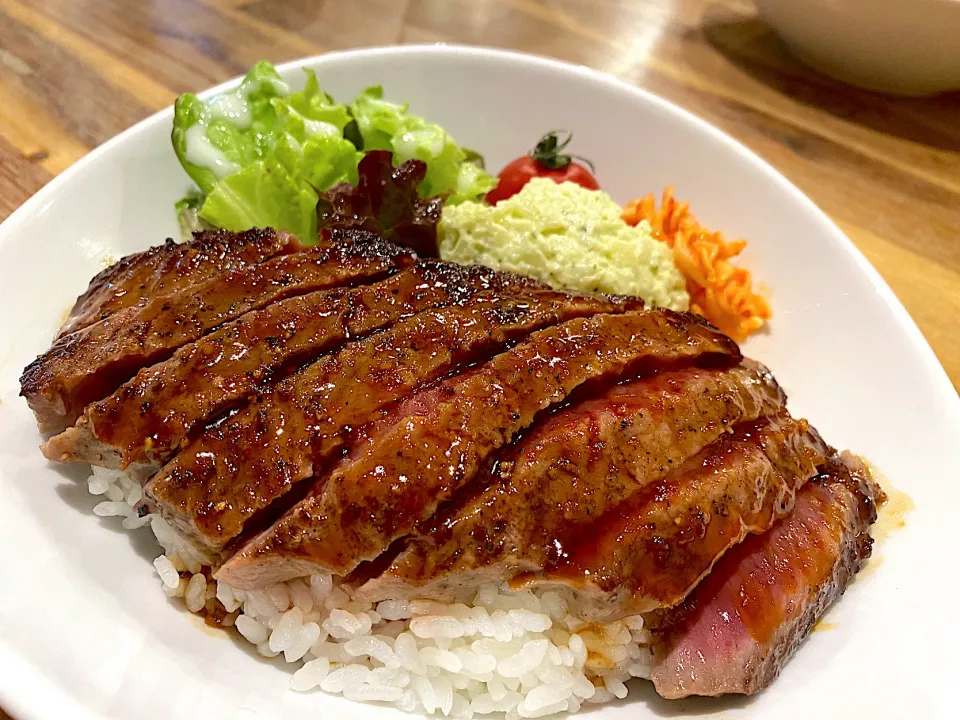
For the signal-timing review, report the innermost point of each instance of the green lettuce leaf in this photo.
(311, 107)
(450, 170)
(218, 137)
(260, 153)
(328, 161)
(188, 217)
(263, 195)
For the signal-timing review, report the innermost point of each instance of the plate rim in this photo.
(27, 691)
(881, 287)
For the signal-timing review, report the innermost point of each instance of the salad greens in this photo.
(385, 201)
(450, 168)
(261, 154)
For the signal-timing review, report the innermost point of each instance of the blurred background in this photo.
(73, 73)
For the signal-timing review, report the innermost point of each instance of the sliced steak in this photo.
(150, 416)
(240, 468)
(651, 550)
(570, 470)
(173, 266)
(437, 440)
(742, 624)
(90, 364)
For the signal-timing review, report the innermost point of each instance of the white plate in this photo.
(85, 630)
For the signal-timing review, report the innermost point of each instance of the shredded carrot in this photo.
(719, 291)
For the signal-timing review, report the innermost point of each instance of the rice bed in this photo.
(494, 650)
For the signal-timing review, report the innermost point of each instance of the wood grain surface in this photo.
(73, 73)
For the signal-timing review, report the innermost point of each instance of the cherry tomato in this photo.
(547, 160)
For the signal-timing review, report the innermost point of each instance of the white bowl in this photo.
(905, 47)
(85, 630)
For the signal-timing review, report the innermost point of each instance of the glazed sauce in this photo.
(661, 541)
(795, 557)
(783, 569)
(892, 514)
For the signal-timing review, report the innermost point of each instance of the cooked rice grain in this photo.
(496, 650)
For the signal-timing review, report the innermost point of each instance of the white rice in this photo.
(495, 650)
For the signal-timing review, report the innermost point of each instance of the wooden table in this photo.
(73, 73)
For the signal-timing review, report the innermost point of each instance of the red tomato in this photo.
(546, 161)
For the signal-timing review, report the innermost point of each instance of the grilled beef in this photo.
(173, 266)
(90, 364)
(435, 442)
(147, 418)
(549, 496)
(742, 624)
(319, 409)
(238, 469)
(652, 549)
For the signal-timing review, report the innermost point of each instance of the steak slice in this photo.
(90, 364)
(436, 441)
(570, 470)
(173, 266)
(147, 419)
(213, 488)
(652, 550)
(742, 624)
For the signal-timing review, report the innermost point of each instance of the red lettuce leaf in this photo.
(385, 201)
